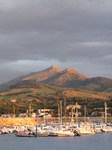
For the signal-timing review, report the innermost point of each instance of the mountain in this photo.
(43, 75)
(36, 76)
(66, 78)
(56, 76)
(47, 87)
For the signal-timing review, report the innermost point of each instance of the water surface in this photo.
(88, 142)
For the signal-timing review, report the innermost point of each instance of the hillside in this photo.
(48, 96)
(66, 75)
(43, 75)
(36, 76)
(97, 84)
(66, 78)
(31, 90)
(6, 85)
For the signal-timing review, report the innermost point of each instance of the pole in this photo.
(30, 109)
(65, 111)
(36, 130)
(105, 112)
(13, 111)
(59, 115)
(76, 113)
(44, 116)
(84, 114)
(72, 115)
(44, 102)
(61, 110)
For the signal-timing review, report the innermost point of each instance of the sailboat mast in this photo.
(76, 113)
(65, 111)
(61, 110)
(105, 112)
(85, 114)
(59, 114)
(30, 109)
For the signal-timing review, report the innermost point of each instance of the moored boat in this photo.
(24, 134)
(65, 133)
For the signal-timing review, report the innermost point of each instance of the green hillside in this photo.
(47, 87)
(44, 95)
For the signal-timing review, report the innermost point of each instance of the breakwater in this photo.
(17, 121)
(34, 121)
(25, 121)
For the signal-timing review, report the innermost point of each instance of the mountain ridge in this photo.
(65, 75)
(44, 74)
(68, 77)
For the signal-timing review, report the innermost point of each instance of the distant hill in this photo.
(26, 84)
(6, 85)
(98, 84)
(66, 78)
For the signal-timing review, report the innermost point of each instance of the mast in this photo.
(30, 109)
(65, 111)
(59, 114)
(105, 112)
(44, 102)
(76, 113)
(61, 111)
(85, 114)
(72, 114)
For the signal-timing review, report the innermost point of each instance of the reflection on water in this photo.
(88, 142)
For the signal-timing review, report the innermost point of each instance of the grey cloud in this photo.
(64, 31)
(52, 15)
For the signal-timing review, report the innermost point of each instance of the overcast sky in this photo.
(34, 34)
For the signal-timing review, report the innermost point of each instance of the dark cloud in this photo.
(69, 33)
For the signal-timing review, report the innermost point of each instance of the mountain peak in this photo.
(44, 74)
(70, 70)
(55, 68)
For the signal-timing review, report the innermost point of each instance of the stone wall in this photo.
(17, 121)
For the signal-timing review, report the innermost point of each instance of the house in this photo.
(44, 113)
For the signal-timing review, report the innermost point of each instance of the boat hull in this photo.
(24, 135)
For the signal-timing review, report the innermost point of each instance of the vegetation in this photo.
(40, 89)
(48, 96)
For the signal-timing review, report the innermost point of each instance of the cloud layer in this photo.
(36, 34)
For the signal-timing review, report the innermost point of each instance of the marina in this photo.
(56, 127)
(55, 75)
(57, 130)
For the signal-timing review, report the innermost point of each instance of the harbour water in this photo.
(85, 142)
